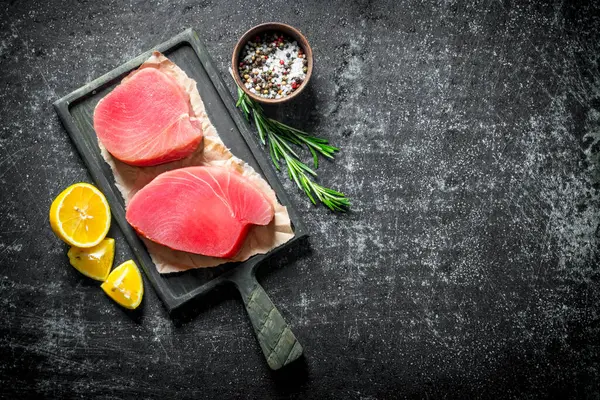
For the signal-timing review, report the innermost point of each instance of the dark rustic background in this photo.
(468, 267)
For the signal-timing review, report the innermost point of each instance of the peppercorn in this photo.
(263, 69)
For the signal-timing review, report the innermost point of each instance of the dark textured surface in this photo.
(468, 267)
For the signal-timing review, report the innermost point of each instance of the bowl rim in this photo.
(272, 26)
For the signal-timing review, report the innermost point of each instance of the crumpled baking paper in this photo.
(130, 179)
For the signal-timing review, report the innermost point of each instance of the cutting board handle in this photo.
(278, 342)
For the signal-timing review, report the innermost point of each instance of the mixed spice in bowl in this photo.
(272, 62)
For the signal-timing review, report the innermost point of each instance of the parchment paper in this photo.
(130, 179)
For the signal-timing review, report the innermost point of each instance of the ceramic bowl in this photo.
(272, 27)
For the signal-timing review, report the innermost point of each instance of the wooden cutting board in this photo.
(76, 109)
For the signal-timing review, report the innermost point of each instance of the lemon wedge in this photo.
(94, 262)
(124, 285)
(80, 215)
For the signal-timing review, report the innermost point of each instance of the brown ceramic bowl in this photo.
(272, 27)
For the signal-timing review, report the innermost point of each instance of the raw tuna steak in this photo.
(202, 210)
(146, 120)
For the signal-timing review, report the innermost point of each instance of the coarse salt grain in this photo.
(280, 57)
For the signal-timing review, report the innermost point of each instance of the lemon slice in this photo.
(94, 262)
(124, 285)
(80, 215)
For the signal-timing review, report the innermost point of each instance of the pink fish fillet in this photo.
(146, 120)
(202, 210)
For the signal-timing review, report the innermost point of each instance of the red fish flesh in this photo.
(202, 210)
(146, 120)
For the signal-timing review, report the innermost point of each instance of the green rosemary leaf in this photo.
(259, 127)
(279, 137)
(315, 157)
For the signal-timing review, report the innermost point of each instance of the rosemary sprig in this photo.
(279, 138)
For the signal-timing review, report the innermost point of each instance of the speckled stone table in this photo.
(467, 268)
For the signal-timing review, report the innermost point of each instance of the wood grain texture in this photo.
(277, 341)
